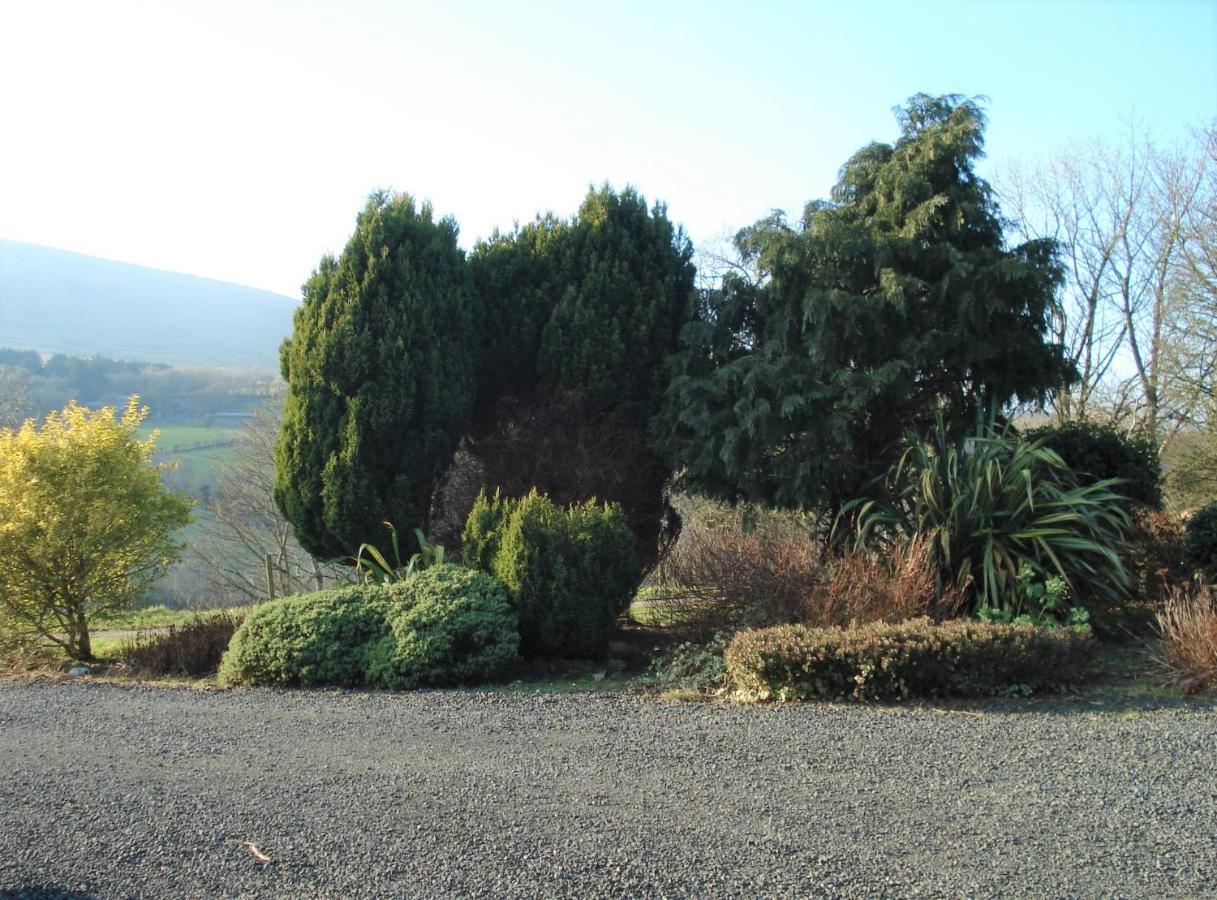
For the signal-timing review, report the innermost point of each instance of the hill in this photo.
(55, 301)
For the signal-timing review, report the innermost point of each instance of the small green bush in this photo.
(448, 625)
(1097, 452)
(308, 639)
(570, 572)
(1200, 543)
(911, 659)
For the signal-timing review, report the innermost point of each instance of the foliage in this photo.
(376, 568)
(1187, 624)
(897, 584)
(85, 524)
(594, 304)
(1102, 452)
(1200, 542)
(570, 571)
(448, 625)
(883, 661)
(192, 649)
(1037, 600)
(736, 567)
(993, 507)
(893, 301)
(692, 666)
(580, 318)
(1154, 554)
(380, 373)
(308, 639)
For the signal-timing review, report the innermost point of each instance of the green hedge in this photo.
(570, 572)
(445, 625)
(448, 625)
(912, 659)
(307, 639)
(1097, 452)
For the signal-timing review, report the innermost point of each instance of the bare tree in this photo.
(1127, 218)
(242, 532)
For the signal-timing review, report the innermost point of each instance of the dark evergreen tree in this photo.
(894, 300)
(580, 317)
(380, 371)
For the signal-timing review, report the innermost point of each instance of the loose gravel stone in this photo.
(117, 791)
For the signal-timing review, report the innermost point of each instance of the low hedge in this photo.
(448, 625)
(918, 658)
(445, 625)
(308, 639)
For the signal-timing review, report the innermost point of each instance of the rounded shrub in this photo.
(1098, 451)
(308, 639)
(447, 625)
(570, 571)
(1200, 543)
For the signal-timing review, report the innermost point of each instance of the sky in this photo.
(238, 140)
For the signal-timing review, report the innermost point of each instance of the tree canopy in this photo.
(85, 523)
(892, 301)
(380, 374)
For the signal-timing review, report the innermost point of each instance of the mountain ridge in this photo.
(61, 301)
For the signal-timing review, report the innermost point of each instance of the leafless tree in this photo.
(241, 528)
(1127, 218)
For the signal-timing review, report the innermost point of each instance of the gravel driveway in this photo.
(115, 791)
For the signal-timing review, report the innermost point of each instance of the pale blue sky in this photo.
(236, 140)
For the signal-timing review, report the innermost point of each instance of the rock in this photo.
(79, 670)
(598, 676)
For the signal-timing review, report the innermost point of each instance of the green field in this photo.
(193, 448)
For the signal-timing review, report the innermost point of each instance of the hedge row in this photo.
(918, 658)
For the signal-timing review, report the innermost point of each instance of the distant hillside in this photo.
(55, 301)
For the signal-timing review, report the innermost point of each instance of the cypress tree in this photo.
(380, 375)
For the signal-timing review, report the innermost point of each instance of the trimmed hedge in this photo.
(570, 572)
(448, 625)
(307, 639)
(1097, 452)
(918, 658)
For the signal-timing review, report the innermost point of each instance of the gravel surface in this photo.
(115, 791)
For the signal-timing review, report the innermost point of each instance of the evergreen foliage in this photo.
(380, 373)
(448, 625)
(580, 317)
(570, 572)
(892, 301)
(593, 305)
(1200, 541)
(1098, 452)
(308, 639)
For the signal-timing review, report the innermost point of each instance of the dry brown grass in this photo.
(1188, 626)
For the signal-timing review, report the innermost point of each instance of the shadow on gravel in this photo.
(1070, 705)
(45, 893)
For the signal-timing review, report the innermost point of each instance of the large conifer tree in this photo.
(892, 301)
(380, 374)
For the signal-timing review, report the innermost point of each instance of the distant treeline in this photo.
(186, 394)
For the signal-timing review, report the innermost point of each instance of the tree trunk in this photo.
(80, 647)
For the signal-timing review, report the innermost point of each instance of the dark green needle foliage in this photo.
(380, 373)
(579, 319)
(895, 300)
